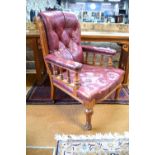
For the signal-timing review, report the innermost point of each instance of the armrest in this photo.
(99, 50)
(67, 64)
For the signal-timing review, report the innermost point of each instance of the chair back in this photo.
(63, 34)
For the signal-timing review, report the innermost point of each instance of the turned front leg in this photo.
(88, 113)
(117, 93)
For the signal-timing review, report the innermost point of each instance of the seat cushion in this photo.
(96, 82)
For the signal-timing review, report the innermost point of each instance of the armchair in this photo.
(68, 67)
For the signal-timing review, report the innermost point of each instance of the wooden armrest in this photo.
(99, 50)
(61, 62)
(102, 52)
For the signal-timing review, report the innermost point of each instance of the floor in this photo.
(41, 151)
(44, 121)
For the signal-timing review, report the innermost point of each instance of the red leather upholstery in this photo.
(100, 50)
(69, 64)
(96, 82)
(63, 34)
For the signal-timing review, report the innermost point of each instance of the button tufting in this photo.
(66, 31)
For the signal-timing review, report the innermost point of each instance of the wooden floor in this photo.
(41, 151)
(44, 121)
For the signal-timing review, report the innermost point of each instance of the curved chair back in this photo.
(63, 34)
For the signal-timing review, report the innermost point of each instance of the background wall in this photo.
(38, 5)
(106, 8)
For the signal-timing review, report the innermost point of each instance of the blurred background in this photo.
(111, 11)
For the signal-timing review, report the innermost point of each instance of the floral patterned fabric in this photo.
(95, 82)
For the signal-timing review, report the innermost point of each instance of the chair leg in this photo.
(117, 93)
(52, 93)
(88, 113)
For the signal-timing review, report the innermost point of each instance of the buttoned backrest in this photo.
(63, 34)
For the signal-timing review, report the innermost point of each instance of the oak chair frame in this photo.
(76, 83)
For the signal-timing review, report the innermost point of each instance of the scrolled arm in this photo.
(67, 64)
(99, 50)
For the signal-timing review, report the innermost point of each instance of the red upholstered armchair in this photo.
(67, 65)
